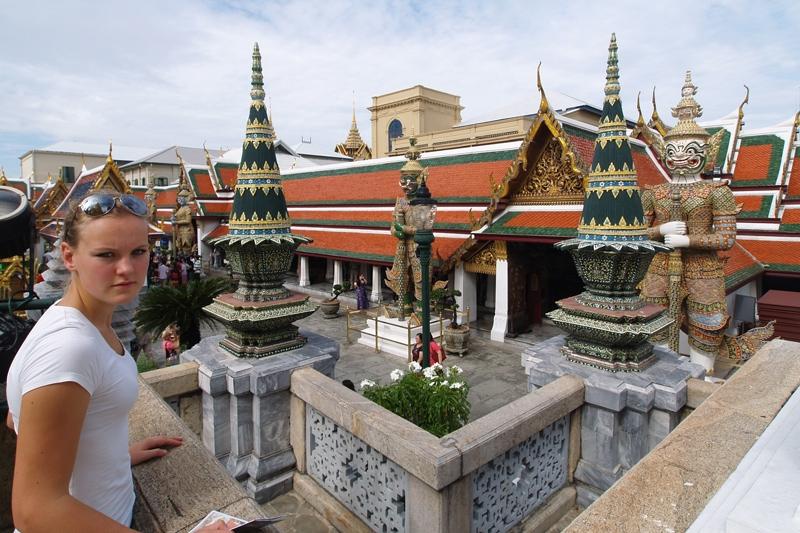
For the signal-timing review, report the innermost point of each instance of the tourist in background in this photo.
(360, 286)
(437, 355)
(163, 273)
(73, 383)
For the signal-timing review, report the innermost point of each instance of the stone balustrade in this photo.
(365, 468)
(671, 486)
(178, 385)
(175, 492)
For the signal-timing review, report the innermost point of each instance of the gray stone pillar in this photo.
(246, 409)
(625, 414)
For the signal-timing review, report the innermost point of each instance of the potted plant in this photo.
(456, 336)
(330, 307)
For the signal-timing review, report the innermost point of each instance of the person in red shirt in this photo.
(437, 355)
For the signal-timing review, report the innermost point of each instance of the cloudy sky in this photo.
(155, 73)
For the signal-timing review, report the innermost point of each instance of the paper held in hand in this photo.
(242, 526)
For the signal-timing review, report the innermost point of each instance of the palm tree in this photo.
(183, 305)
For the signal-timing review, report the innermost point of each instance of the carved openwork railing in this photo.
(358, 460)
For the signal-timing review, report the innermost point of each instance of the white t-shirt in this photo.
(64, 346)
(163, 271)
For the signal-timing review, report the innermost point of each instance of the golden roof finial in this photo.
(745, 101)
(109, 159)
(3, 178)
(544, 105)
(640, 119)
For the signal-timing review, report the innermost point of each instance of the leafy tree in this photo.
(183, 305)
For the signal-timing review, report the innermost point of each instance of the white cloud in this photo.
(155, 73)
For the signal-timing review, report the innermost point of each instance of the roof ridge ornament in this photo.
(544, 105)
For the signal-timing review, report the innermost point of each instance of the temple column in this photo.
(328, 269)
(491, 287)
(337, 273)
(466, 283)
(305, 281)
(500, 325)
(377, 294)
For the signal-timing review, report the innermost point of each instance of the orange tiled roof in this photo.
(776, 255)
(794, 177)
(740, 266)
(648, 172)
(350, 216)
(753, 162)
(557, 224)
(365, 246)
(754, 205)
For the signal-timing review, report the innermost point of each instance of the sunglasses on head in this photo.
(98, 205)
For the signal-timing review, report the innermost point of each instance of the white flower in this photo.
(396, 374)
(454, 370)
(429, 372)
(437, 366)
(456, 385)
(414, 366)
(367, 383)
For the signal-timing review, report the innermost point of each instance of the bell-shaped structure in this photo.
(608, 324)
(259, 316)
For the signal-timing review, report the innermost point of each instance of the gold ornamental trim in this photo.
(483, 262)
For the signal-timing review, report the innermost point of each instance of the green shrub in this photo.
(145, 364)
(183, 305)
(434, 399)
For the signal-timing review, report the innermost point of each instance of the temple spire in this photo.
(354, 146)
(612, 209)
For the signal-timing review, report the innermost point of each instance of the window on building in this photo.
(395, 131)
(162, 181)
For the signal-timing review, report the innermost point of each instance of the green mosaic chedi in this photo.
(608, 324)
(259, 315)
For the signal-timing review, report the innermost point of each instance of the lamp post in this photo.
(424, 210)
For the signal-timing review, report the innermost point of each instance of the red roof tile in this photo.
(753, 162)
(364, 246)
(552, 219)
(774, 253)
(794, 177)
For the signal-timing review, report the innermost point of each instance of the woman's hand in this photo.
(219, 525)
(152, 448)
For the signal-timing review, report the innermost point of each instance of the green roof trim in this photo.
(391, 201)
(342, 253)
(483, 157)
(499, 228)
(782, 267)
(577, 132)
(723, 146)
(743, 275)
(762, 212)
(790, 228)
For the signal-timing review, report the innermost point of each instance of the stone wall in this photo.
(178, 490)
(365, 468)
(179, 386)
(668, 489)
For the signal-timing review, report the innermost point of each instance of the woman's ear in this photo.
(68, 255)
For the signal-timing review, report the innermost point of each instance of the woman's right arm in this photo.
(50, 422)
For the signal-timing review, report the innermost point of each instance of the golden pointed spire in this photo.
(109, 159)
(655, 121)
(739, 123)
(640, 120)
(544, 105)
(3, 178)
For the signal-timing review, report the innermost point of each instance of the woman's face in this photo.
(111, 257)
